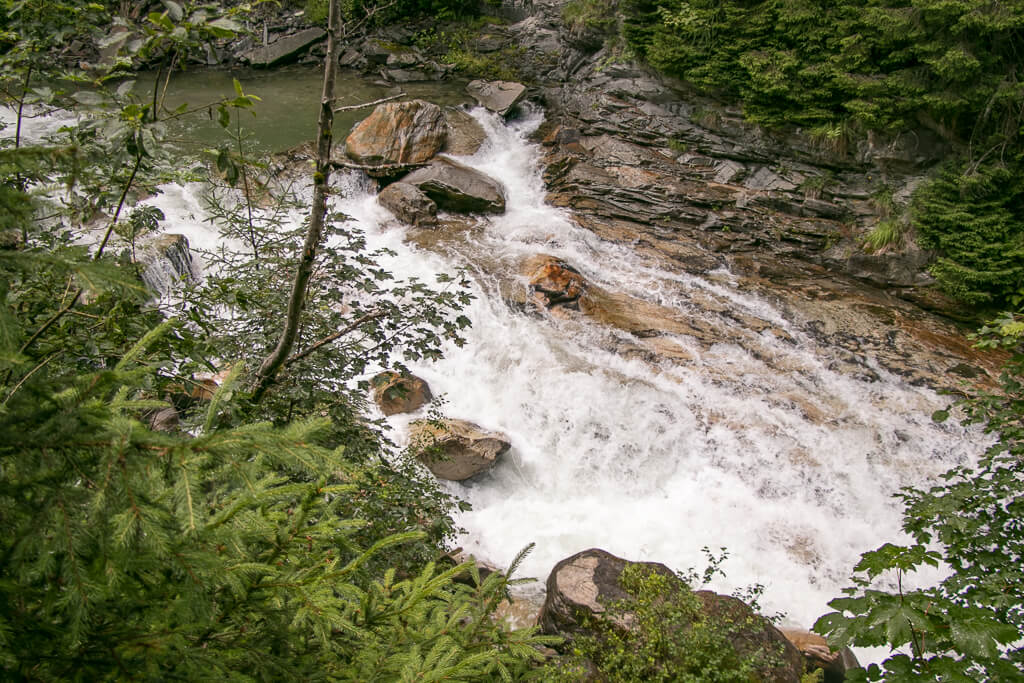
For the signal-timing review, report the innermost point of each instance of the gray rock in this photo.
(465, 134)
(580, 588)
(457, 450)
(819, 655)
(166, 261)
(409, 204)
(497, 96)
(283, 48)
(458, 188)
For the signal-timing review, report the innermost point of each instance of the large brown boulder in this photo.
(395, 393)
(398, 133)
(498, 96)
(409, 204)
(459, 188)
(456, 449)
(582, 588)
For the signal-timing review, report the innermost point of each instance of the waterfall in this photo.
(751, 437)
(754, 443)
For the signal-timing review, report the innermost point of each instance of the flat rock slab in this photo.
(497, 96)
(283, 49)
(465, 134)
(458, 188)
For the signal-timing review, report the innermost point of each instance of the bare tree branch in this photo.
(353, 107)
(337, 335)
(338, 163)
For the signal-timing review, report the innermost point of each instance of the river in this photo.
(755, 443)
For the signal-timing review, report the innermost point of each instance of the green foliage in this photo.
(382, 14)
(968, 626)
(839, 69)
(664, 632)
(973, 217)
(262, 541)
(888, 232)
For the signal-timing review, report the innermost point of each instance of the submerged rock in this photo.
(394, 393)
(458, 188)
(581, 588)
(498, 96)
(398, 133)
(409, 204)
(457, 450)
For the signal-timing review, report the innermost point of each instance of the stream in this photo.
(755, 443)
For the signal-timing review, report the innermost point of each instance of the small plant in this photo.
(665, 632)
(888, 232)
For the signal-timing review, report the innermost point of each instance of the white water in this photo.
(753, 444)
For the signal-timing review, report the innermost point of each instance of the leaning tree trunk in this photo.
(314, 235)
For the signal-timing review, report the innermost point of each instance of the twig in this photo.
(353, 107)
(29, 374)
(338, 163)
(337, 335)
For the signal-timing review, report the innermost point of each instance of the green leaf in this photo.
(224, 28)
(160, 20)
(981, 637)
(174, 10)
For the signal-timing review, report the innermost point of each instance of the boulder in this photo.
(458, 188)
(456, 449)
(282, 49)
(581, 588)
(10, 240)
(498, 96)
(465, 134)
(166, 260)
(818, 655)
(554, 282)
(409, 204)
(394, 393)
(398, 133)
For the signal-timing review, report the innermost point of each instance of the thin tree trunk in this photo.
(314, 235)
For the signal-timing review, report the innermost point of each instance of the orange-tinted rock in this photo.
(554, 282)
(398, 133)
(818, 655)
(395, 393)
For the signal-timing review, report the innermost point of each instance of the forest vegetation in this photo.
(277, 534)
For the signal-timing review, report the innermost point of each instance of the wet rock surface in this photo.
(456, 187)
(500, 97)
(409, 204)
(457, 450)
